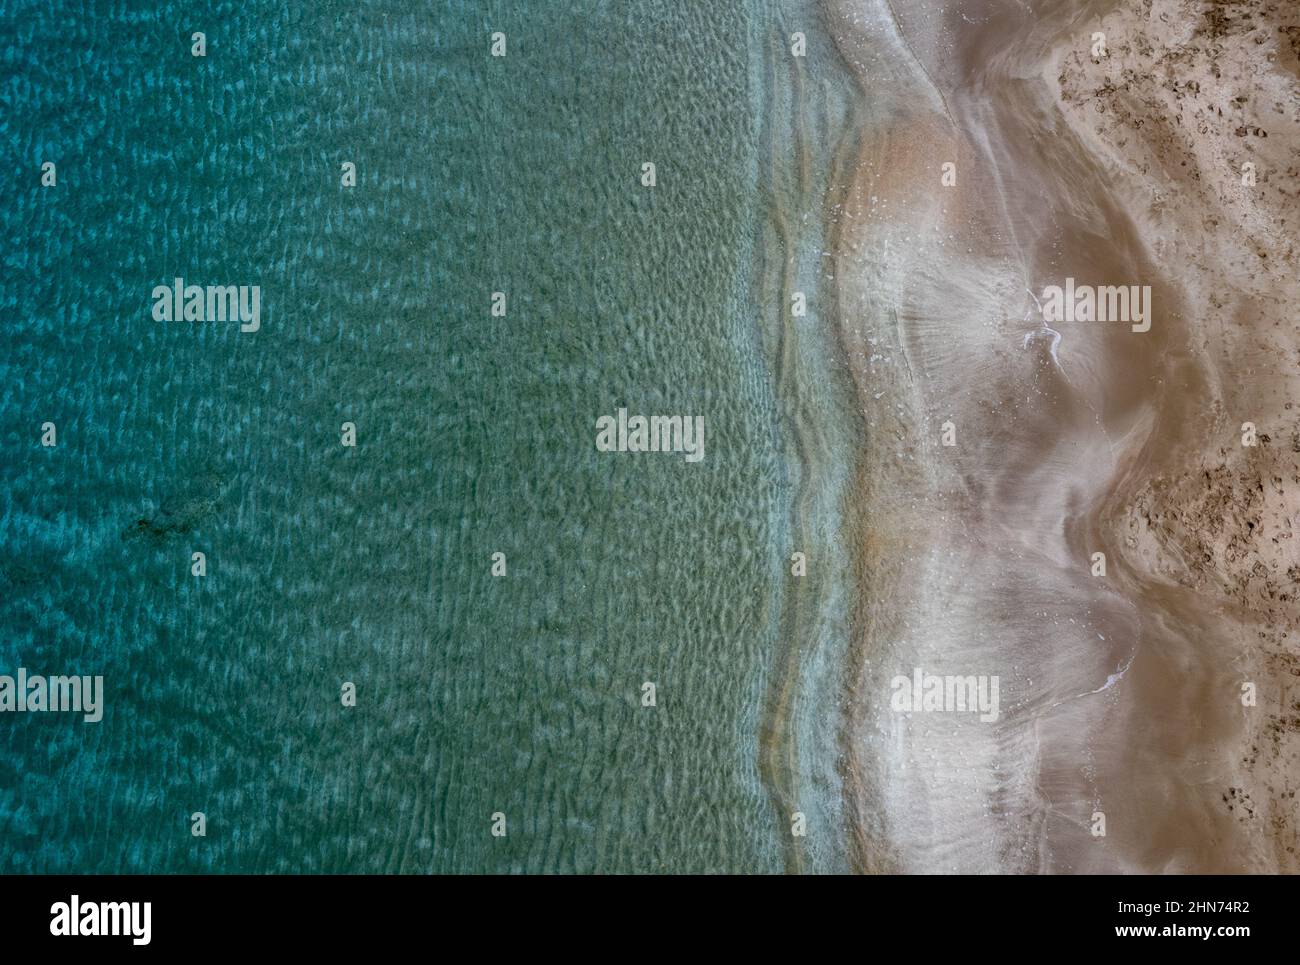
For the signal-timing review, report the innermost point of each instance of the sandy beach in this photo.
(1007, 147)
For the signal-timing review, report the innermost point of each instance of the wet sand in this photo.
(1121, 694)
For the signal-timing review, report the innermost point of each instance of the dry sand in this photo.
(1188, 95)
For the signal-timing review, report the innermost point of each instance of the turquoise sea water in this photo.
(475, 694)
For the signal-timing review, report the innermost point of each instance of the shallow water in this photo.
(475, 694)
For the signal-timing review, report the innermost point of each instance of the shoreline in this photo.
(802, 115)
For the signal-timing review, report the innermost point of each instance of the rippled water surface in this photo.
(326, 564)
